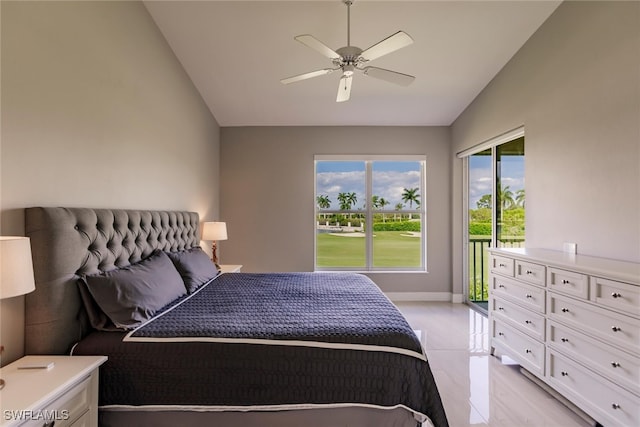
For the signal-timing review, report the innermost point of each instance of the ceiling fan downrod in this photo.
(348, 3)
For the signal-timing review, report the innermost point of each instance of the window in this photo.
(370, 213)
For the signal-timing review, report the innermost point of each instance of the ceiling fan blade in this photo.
(315, 44)
(344, 89)
(388, 45)
(389, 76)
(307, 75)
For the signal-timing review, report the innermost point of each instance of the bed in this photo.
(276, 349)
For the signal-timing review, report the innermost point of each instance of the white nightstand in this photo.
(64, 395)
(229, 268)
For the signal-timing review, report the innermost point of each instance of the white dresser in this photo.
(573, 321)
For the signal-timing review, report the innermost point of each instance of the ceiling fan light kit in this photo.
(349, 58)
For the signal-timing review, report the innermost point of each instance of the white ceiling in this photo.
(236, 52)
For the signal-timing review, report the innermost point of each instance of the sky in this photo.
(512, 175)
(389, 180)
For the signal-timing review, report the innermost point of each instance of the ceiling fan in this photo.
(349, 58)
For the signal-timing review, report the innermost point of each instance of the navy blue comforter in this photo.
(249, 341)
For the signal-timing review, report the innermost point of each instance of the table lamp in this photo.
(16, 269)
(214, 231)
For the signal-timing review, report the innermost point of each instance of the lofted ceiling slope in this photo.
(236, 52)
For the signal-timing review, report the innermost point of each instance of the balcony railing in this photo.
(479, 265)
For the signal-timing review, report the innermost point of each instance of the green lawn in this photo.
(390, 249)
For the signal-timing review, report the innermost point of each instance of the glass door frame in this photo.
(464, 155)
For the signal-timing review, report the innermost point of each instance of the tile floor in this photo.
(478, 389)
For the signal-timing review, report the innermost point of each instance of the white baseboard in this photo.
(419, 296)
(457, 298)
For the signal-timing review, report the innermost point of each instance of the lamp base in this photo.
(214, 254)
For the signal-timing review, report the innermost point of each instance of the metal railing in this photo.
(479, 265)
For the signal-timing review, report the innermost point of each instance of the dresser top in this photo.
(602, 267)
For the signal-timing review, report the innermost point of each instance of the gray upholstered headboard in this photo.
(69, 242)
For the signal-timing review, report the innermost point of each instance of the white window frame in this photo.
(422, 210)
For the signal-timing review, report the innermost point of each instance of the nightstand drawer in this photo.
(531, 297)
(616, 295)
(607, 402)
(531, 273)
(568, 282)
(68, 408)
(619, 366)
(501, 265)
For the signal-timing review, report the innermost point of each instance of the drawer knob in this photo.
(616, 329)
(529, 296)
(529, 272)
(615, 364)
(502, 265)
(615, 406)
(500, 308)
(616, 295)
(565, 281)
(564, 339)
(501, 334)
(501, 286)
(564, 374)
(528, 351)
(565, 310)
(528, 322)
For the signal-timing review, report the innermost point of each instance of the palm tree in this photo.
(398, 208)
(520, 197)
(382, 202)
(347, 200)
(505, 195)
(411, 195)
(323, 203)
(375, 201)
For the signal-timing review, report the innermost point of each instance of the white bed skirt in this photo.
(329, 417)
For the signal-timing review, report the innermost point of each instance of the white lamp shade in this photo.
(16, 267)
(214, 231)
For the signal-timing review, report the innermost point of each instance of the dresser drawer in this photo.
(569, 282)
(527, 321)
(531, 273)
(68, 408)
(501, 265)
(610, 327)
(603, 400)
(619, 366)
(519, 346)
(616, 295)
(531, 297)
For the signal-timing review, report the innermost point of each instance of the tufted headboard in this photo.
(69, 242)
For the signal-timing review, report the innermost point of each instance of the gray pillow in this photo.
(131, 295)
(195, 267)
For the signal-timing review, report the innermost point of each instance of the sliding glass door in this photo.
(509, 158)
(495, 200)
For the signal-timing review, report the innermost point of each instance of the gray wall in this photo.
(96, 112)
(267, 195)
(575, 85)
